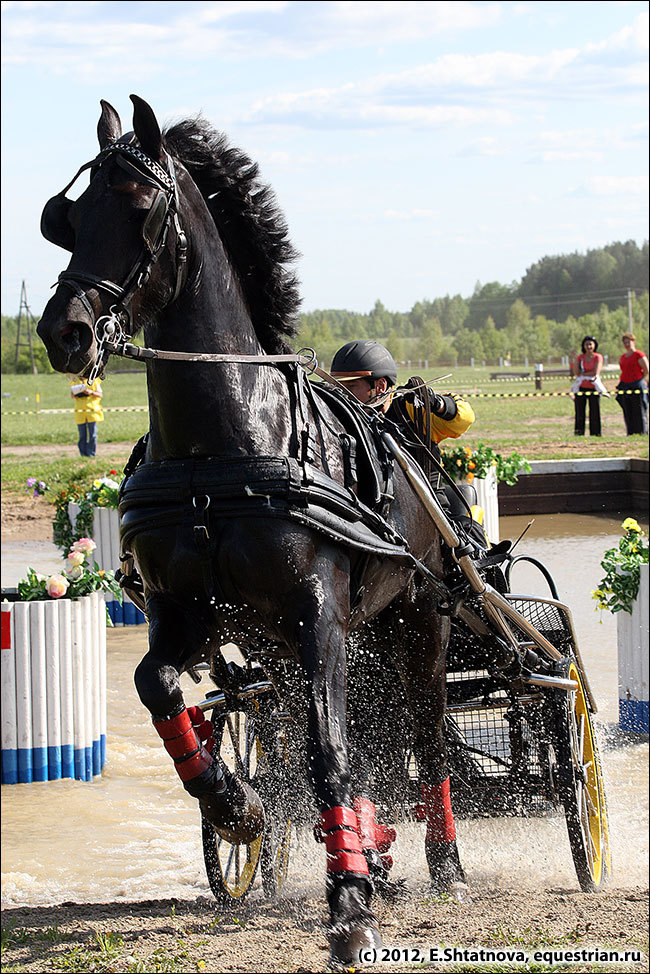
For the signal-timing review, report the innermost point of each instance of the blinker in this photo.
(55, 223)
(156, 221)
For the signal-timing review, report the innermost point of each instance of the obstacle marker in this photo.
(53, 689)
(633, 661)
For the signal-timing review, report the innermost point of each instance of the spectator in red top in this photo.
(634, 375)
(586, 369)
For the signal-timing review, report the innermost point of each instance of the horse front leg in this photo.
(321, 640)
(424, 676)
(232, 807)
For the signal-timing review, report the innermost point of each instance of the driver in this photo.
(369, 372)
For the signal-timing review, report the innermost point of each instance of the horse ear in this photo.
(109, 127)
(146, 128)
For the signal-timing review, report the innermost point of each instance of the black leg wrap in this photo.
(444, 865)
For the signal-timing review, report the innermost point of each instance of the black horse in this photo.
(175, 235)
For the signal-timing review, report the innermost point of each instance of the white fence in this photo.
(106, 535)
(633, 661)
(53, 688)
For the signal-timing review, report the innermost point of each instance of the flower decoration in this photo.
(35, 487)
(77, 579)
(619, 587)
(56, 586)
(462, 463)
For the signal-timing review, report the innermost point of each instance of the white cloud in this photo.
(414, 214)
(617, 186)
(379, 22)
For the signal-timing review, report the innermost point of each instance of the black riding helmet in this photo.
(364, 360)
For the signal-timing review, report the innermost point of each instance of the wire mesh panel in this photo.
(499, 757)
(551, 619)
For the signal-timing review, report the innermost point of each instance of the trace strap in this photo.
(306, 357)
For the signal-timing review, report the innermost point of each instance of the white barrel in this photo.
(38, 690)
(106, 535)
(53, 688)
(8, 714)
(101, 648)
(66, 676)
(79, 704)
(488, 498)
(632, 632)
(22, 645)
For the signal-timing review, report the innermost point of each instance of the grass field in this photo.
(536, 427)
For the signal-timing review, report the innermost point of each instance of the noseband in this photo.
(161, 214)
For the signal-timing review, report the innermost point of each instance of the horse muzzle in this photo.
(67, 332)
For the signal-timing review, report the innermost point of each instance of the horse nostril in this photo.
(75, 336)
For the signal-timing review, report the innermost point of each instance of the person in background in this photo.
(586, 369)
(87, 413)
(633, 388)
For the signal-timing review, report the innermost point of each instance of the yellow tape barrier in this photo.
(465, 395)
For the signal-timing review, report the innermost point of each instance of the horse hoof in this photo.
(356, 947)
(237, 814)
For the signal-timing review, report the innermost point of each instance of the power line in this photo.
(619, 293)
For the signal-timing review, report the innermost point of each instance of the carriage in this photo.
(516, 746)
(267, 511)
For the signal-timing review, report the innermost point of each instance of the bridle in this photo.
(112, 331)
(163, 212)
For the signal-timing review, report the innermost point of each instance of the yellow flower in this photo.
(629, 524)
(468, 452)
(459, 463)
(97, 484)
(470, 478)
(471, 465)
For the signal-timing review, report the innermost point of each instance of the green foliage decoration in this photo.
(619, 586)
(463, 463)
(100, 492)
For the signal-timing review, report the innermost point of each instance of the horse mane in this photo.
(251, 226)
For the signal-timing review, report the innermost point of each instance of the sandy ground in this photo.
(290, 935)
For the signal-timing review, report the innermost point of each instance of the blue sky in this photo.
(415, 148)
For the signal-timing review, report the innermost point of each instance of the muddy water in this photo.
(134, 834)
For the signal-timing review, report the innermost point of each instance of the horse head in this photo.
(118, 234)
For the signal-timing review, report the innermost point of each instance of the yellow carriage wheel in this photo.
(231, 869)
(581, 787)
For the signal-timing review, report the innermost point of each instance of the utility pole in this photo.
(629, 308)
(25, 319)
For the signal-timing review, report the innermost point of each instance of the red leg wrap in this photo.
(371, 834)
(339, 830)
(436, 801)
(182, 740)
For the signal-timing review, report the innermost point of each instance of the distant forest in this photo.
(558, 301)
